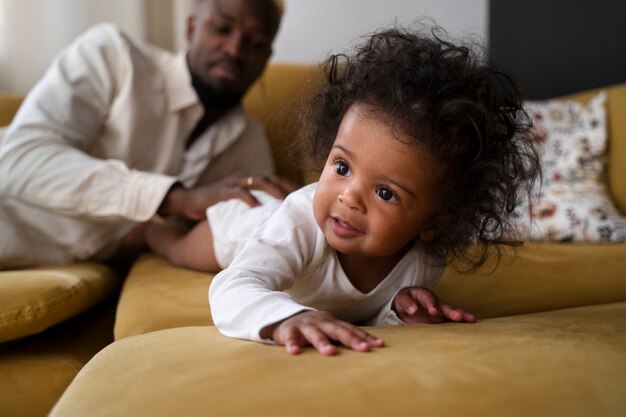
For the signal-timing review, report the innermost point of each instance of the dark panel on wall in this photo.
(558, 47)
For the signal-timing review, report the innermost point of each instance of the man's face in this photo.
(230, 43)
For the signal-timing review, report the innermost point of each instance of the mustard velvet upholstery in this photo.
(538, 277)
(9, 103)
(158, 296)
(616, 153)
(35, 370)
(561, 363)
(524, 357)
(274, 100)
(41, 351)
(32, 300)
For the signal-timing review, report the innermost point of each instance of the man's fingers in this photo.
(273, 185)
(286, 185)
(248, 198)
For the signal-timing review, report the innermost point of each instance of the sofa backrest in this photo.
(275, 98)
(274, 101)
(616, 149)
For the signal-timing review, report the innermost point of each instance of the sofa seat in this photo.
(52, 321)
(550, 340)
(35, 370)
(541, 277)
(157, 296)
(537, 277)
(568, 363)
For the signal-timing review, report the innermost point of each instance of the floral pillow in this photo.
(572, 137)
(572, 203)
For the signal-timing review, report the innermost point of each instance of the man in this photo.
(118, 131)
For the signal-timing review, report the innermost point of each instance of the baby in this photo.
(424, 151)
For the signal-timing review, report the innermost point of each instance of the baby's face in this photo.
(375, 193)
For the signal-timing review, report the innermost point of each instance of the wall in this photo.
(32, 32)
(312, 28)
(555, 47)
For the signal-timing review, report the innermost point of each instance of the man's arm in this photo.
(45, 161)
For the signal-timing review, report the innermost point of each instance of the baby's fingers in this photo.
(291, 338)
(405, 305)
(456, 314)
(318, 339)
(426, 300)
(351, 336)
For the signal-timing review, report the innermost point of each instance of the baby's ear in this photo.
(427, 234)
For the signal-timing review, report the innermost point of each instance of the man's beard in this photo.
(211, 96)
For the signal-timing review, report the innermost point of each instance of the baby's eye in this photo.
(342, 168)
(386, 194)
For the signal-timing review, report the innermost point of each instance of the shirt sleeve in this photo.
(45, 161)
(250, 293)
(426, 275)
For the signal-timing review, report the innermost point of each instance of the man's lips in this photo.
(343, 228)
(225, 69)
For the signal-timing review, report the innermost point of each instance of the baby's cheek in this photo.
(319, 209)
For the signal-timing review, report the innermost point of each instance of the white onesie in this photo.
(280, 264)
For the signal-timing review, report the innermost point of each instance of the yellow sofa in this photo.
(550, 339)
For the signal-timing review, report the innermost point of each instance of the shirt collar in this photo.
(178, 79)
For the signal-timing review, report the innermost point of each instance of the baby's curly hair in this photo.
(469, 116)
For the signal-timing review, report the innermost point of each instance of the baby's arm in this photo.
(420, 305)
(250, 299)
(318, 328)
(183, 247)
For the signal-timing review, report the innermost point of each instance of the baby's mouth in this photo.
(343, 228)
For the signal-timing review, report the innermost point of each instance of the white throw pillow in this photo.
(572, 203)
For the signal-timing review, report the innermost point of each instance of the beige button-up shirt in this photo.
(99, 141)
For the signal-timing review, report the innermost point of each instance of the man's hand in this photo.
(420, 305)
(318, 328)
(192, 203)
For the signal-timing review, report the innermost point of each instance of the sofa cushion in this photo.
(540, 277)
(616, 169)
(572, 202)
(9, 103)
(158, 296)
(572, 137)
(560, 363)
(31, 300)
(576, 212)
(616, 146)
(35, 370)
(274, 100)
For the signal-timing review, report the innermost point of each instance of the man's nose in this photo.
(233, 45)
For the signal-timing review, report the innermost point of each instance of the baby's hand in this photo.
(318, 328)
(420, 305)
